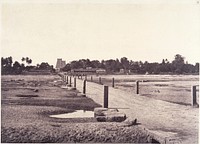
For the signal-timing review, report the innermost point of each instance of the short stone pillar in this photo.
(84, 87)
(100, 80)
(113, 82)
(105, 104)
(74, 82)
(137, 87)
(194, 96)
(64, 78)
(67, 80)
(70, 81)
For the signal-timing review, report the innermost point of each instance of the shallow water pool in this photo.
(76, 114)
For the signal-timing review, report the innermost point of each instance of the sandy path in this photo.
(178, 121)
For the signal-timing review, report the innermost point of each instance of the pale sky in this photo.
(45, 31)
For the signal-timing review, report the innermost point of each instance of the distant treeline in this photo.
(177, 66)
(8, 67)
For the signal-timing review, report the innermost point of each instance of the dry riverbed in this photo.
(28, 102)
(171, 88)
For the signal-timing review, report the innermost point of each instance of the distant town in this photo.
(111, 66)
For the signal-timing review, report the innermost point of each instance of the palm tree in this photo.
(23, 59)
(28, 61)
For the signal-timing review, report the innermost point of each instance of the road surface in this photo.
(176, 123)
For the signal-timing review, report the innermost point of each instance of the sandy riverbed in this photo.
(28, 101)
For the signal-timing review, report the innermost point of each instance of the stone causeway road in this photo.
(169, 122)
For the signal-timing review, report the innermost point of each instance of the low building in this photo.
(121, 71)
(37, 72)
(83, 71)
(88, 71)
(101, 71)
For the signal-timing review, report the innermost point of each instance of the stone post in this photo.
(105, 105)
(75, 82)
(137, 87)
(99, 80)
(84, 87)
(113, 82)
(193, 95)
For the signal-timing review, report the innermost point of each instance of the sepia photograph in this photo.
(100, 71)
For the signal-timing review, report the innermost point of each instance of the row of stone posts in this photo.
(68, 81)
(105, 104)
(91, 79)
